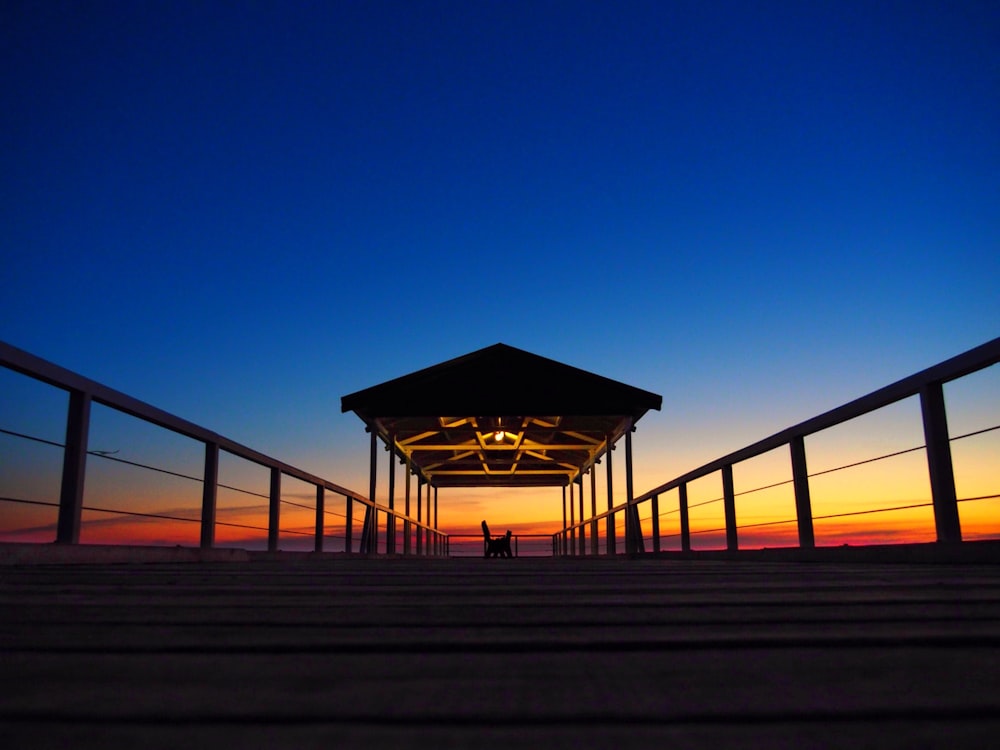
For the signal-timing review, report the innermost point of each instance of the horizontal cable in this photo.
(28, 502)
(981, 497)
(140, 515)
(102, 454)
(867, 461)
(977, 432)
(32, 437)
(873, 510)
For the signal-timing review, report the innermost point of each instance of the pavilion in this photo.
(500, 417)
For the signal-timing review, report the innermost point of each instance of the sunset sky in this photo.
(240, 212)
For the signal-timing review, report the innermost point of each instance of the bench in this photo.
(496, 547)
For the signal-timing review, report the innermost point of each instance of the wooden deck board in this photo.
(512, 653)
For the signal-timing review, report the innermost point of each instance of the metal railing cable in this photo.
(831, 471)
(619, 525)
(105, 455)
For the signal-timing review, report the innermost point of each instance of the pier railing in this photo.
(84, 392)
(585, 536)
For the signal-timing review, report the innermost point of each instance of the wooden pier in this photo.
(331, 651)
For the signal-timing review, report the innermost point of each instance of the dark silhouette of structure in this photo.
(499, 417)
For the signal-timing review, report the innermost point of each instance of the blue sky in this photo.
(240, 212)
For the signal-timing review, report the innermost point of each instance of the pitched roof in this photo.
(501, 415)
(501, 380)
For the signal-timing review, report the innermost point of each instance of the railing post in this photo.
(942, 474)
(74, 468)
(348, 524)
(371, 514)
(682, 507)
(803, 503)
(593, 510)
(729, 503)
(209, 495)
(654, 509)
(320, 516)
(572, 518)
(390, 521)
(562, 533)
(633, 526)
(274, 510)
(610, 542)
(420, 505)
(407, 531)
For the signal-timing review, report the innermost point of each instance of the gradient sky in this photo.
(240, 212)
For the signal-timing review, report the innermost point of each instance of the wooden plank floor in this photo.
(348, 652)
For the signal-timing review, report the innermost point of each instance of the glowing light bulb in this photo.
(499, 435)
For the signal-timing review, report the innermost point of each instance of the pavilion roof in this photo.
(501, 416)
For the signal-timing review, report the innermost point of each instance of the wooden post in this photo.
(407, 531)
(348, 524)
(209, 495)
(572, 518)
(390, 521)
(654, 505)
(803, 502)
(583, 529)
(729, 503)
(371, 515)
(682, 506)
(74, 468)
(420, 505)
(593, 509)
(562, 534)
(274, 510)
(633, 527)
(939, 463)
(320, 516)
(610, 540)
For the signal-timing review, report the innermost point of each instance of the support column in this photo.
(654, 505)
(320, 516)
(583, 529)
(610, 541)
(437, 527)
(74, 468)
(407, 530)
(593, 509)
(209, 495)
(274, 511)
(939, 463)
(390, 521)
(682, 506)
(803, 503)
(729, 503)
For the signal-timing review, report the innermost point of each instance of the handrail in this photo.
(920, 383)
(975, 359)
(48, 372)
(40, 369)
